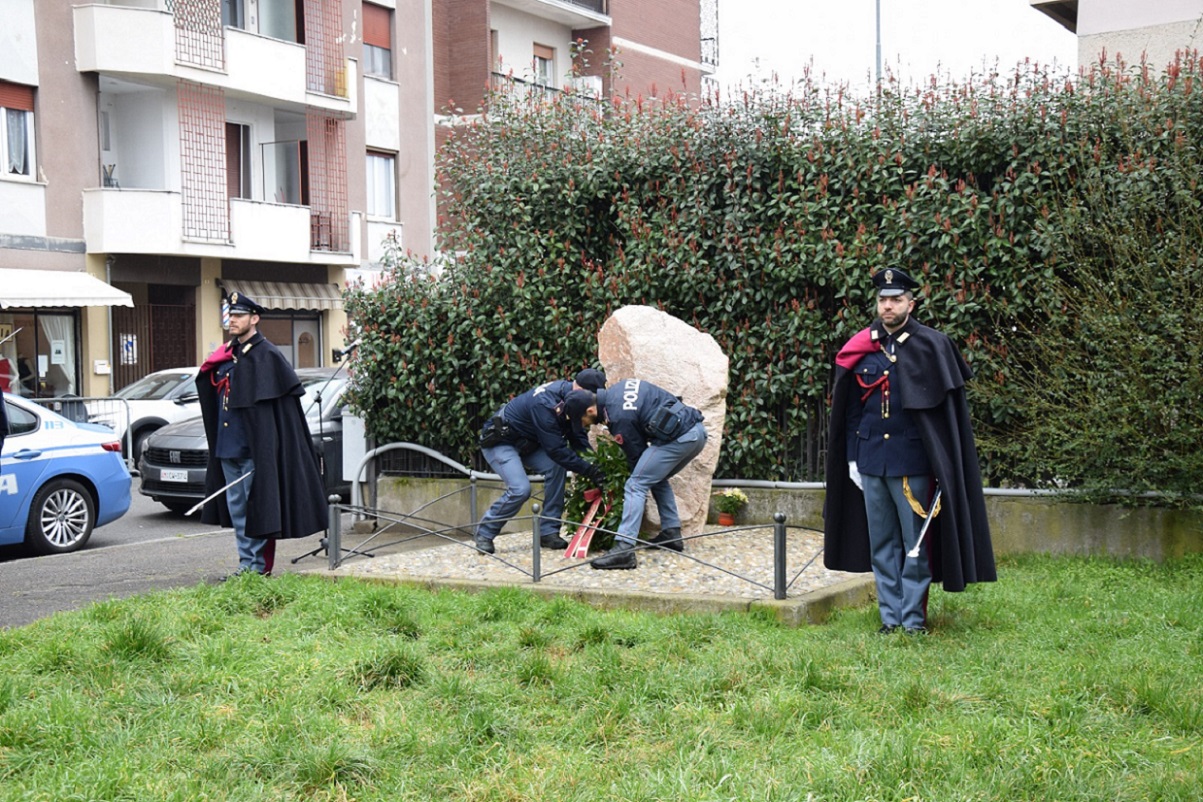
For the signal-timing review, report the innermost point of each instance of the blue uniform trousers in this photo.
(252, 551)
(511, 467)
(656, 465)
(902, 582)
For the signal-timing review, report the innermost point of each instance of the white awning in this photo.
(287, 295)
(34, 288)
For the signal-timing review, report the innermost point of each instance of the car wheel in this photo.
(140, 443)
(178, 507)
(61, 518)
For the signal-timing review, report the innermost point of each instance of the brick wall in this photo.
(461, 53)
(648, 76)
(669, 25)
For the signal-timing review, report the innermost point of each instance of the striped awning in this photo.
(287, 294)
(20, 287)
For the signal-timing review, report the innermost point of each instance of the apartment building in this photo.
(1131, 29)
(161, 153)
(643, 48)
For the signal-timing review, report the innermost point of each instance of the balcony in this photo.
(150, 221)
(138, 44)
(573, 13)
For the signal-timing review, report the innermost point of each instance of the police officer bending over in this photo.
(532, 432)
(659, 435)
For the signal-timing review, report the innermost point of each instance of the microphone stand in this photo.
(340, 356)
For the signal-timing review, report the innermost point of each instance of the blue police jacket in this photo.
(532, 416)
(882, 437)
(232, 440)
(629, 406)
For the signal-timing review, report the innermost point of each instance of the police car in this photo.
(58, 479)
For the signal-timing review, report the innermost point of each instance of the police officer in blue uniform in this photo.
(889, 463)
(259, 443)
(900, 428)
(659, 434)
(532, 432)
(233, 449)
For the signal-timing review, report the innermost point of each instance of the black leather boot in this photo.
(622, 556)
(483, 544)
(553, 542)
(669, 539)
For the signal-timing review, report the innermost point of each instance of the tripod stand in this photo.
(339, 357)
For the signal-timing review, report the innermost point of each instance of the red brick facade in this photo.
(461, 54)
(672, 27)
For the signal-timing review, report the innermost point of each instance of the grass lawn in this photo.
(1069, 679)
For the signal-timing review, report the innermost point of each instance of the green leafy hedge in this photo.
(759, 219)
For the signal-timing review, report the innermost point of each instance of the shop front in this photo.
(42, 343)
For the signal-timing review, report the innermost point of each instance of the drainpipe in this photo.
(108, 279)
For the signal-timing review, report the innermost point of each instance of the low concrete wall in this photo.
(1026, 524)
(1019, 523)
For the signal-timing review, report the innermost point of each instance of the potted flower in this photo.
(728, 502)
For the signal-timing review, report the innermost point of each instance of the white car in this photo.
(146, 406)
(58, 479)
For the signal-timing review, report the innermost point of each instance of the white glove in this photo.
(854, 475)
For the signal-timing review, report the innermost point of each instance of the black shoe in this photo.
(888, 629)
(483, 544)
(920, 630)
(622, 556)
(669, 539)
(553, 542)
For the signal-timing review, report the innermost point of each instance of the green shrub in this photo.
(758, 219)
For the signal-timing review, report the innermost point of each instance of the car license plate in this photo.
(173, 476)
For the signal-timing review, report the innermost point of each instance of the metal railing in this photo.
(596, 6)
(109, 411)
(424, 527)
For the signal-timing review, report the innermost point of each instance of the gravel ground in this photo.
(747, 552)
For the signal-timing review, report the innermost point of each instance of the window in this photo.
(377, 41)
(233, 14)
(238, 160)
(382, 185)
(16, 130)
(544, 65)
(21, 421)
(44, 351)
(297, 335)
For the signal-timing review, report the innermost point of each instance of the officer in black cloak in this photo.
(250, 399)
(900, 431)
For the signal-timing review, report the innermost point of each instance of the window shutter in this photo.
(544, 52)
(16, 96)
(377, 26)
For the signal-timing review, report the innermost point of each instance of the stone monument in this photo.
(642, 342)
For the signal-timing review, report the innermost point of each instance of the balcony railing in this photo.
(709, 32)
(507, 82)
(596, 6)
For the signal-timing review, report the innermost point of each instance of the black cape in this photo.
(932, 376)
(287, 495)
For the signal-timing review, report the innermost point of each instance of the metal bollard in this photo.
(472, 501)
(536, 556)
(779, 556)
(334, 546)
